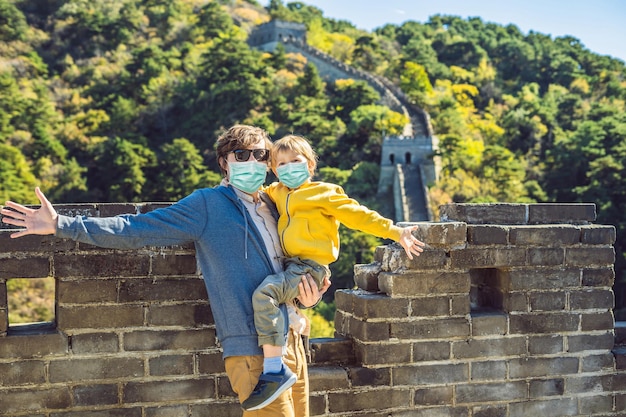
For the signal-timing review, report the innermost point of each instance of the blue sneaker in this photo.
(269, 387)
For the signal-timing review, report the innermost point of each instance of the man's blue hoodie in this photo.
(229, 249)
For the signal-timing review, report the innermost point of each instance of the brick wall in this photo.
(507, 313)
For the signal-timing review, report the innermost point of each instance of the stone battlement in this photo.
(508, 313)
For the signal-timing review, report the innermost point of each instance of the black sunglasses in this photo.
(242, 155)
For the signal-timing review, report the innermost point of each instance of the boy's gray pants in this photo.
(278, 289)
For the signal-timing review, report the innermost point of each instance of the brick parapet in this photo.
(494, 319)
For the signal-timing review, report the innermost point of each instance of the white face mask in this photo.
(293, 174)
(247, 176)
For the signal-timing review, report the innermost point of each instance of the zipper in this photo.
(282, 237)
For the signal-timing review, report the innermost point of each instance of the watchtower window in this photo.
(392, 158)
(485, 291)
(30, 301)
(407, 158)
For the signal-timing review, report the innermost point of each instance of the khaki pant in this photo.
(243, 373)
(278, 289)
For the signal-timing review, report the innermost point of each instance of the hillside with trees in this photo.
(105, 101)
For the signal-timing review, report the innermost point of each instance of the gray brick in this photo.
(434, 396)
(546, 387)
(394, 259)
(545, 345)
(99, 316)
(602, 277)
(424, 283)
(547, 301)
(431, 329)
(211, 363)
(489, 411)
(339, 402)
(171, 339)
(540, 279)
(579, 343)
(431, 351)
(327, 379)
(369, 331)
(173, 411)
(164, 391)
(444, 235)
(337, 351)
(488, 370)
(29, 267)
(430, 306)
(86, 291)
(599, 321)
(558, 407)
(439, 374)
(590, 299)
(487, 235)
(150, 289)
(383, 354)
(22, 401)
(33, 345)
(480, 348)
(22, 373)
(369, 376)
(485, 393)
(590, 256)
(546, 256)
(484, 324)
(597, 404)
(171, 365)
(543, 323)
(542, 367)
(597, 363)
(366, 276)
(371, 306)
(490, 213)
(221, 409)
(95, 395)
(176, 264)
(598, 235)
(74, 370)
(186, 315)
(487, 257)
(573, 213)
(113, 264)
(553, 235)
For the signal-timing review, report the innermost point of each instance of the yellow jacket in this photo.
(310, 215)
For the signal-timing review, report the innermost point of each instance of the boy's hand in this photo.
(411, 244)
(42, 221)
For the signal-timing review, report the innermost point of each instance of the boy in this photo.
(308, 226)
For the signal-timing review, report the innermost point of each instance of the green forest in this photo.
(122, 101)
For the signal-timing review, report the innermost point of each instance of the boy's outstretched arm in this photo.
(41, 221)
(411, 244)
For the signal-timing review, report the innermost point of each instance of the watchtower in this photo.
(266, 36)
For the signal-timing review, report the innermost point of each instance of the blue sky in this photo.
(600, 25)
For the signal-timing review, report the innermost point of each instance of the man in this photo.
(234, 232)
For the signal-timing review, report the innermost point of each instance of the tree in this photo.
(415, 83)
(17, 179)
(348, 95)
(120, 171)
(180, 171)
(13, 24)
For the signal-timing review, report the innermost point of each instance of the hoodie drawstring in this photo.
(244, 211)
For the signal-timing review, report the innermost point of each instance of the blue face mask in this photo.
(294, 174)
(247, 176)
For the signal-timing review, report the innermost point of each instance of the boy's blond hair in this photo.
(295, 143)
